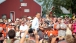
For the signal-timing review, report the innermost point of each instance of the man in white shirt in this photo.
(35, 22)
(23, 27)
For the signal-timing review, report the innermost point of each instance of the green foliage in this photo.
(73, 6)
(46, 5)
(63, 3)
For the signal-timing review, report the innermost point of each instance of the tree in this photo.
(73, 6)
(63, 3)
(46, 5)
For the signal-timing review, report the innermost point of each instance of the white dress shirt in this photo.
(35, 23)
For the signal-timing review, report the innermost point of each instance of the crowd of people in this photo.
(49, 29)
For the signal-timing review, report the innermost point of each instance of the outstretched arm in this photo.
(23, 38)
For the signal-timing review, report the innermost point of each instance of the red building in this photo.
(18, 8)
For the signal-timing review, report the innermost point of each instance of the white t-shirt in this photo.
(23, 28)
(18, 33)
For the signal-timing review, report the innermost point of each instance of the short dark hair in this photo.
(11, 34)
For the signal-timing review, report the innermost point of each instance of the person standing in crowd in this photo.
(11, 27)
(29, 18)
(23, 27)
(61, 28)
(69, 28)
(47, 18)
(17, 22)
(41, 33)
(74, 27)
(35, 22)
(66, 19)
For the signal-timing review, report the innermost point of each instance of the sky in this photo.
(38, 3)
(1, 1)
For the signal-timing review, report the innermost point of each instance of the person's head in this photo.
(12, 25)
(9, 20)
(47, 16)
(17, 19)
(11, 34)
(20, 20)
(38, 15)
(59, 20)
(29, 17)
(55, 19)
(23, 23)
(5, 20)
(66, 17)
(69, 38)
(70, 21)
(73, 14)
